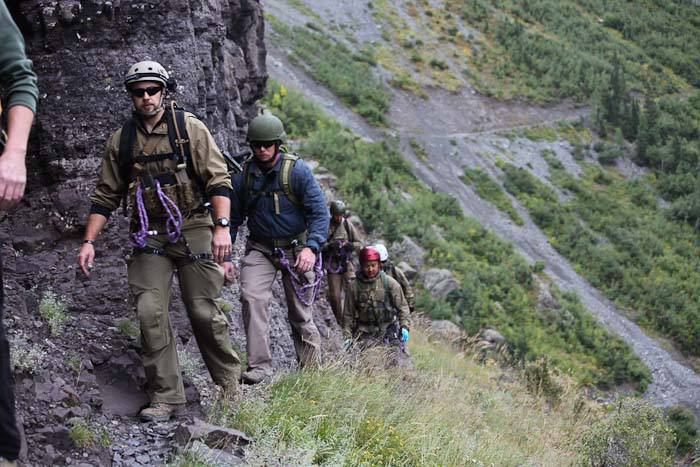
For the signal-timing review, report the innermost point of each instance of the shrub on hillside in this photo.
(635, 433)
(682, 423)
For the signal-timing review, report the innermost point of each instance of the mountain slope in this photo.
(443, 132)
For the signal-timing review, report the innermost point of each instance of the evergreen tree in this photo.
(631, 124)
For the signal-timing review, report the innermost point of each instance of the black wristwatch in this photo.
(222, 221)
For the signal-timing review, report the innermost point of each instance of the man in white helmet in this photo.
(397, 274)
(167, 163)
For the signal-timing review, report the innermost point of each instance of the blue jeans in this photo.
(9, 436)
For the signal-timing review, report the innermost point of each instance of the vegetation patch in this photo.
(489, 190)
(327, 61)
(53, 309)
(355, 412)
(635, 433)
(497, 285)
(613, 230)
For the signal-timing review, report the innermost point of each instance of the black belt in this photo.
(273, 243)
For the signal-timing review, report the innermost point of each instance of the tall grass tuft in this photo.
(449, 411)
(53, 309)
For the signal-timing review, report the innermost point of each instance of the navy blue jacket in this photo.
(263, 222)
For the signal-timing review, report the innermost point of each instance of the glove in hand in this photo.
(404, 335)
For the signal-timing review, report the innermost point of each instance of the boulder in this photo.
(408, 270)
(409, 251)
(445, 328)
(439, 282)
(212, 435)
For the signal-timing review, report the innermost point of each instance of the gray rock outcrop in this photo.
(439, 282)
(81, 51)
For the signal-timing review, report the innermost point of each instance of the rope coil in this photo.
(173, 224)
(299, 287)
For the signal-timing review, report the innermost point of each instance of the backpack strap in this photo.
(387, 295)
(180, 143)
(285, 181)
(126, 150)
(288, 161)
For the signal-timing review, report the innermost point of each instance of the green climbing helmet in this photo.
(337, 207)
(266, 128)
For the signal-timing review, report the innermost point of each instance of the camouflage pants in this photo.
(201, 280)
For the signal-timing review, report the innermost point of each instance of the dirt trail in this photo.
(456, 129)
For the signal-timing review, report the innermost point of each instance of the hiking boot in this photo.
(231, 392)
(254, 376)
(5, 463)
(160, 412)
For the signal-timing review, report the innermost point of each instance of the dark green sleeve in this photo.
(17, 80)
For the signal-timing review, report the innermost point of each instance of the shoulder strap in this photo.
(387, 295)
(180, 142)
(126, 149)
(247, 178)
(288, 161)
(347, 228)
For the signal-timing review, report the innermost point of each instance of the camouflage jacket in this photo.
(370, 307)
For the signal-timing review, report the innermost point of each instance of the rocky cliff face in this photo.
(89, 372)
(81, 52)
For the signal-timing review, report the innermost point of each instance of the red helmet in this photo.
(368, 254)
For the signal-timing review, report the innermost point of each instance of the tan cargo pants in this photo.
(150, 278)
(258, 271)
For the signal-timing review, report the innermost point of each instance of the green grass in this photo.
(53, 309)
(346, 74)
(352, 412)
(83, 435)
(489, 190)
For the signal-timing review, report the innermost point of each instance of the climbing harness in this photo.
(343, 257)
(299, 287)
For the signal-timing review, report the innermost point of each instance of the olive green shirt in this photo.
(17, 80)
(207, 161)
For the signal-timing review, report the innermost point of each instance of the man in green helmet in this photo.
(169, 167)
(342, 241)
(287, 220)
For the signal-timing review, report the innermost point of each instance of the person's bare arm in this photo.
(13, 171)
(86, 255)
(221, 241)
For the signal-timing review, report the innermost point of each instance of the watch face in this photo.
(223, 222)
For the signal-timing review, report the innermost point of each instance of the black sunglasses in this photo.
(261, 144)
(152, 91)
